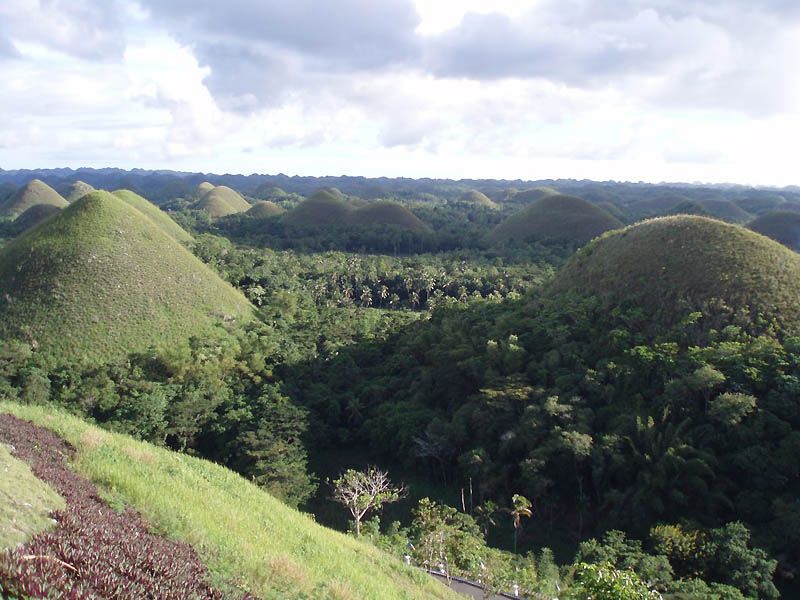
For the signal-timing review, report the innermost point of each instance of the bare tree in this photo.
(363, 491)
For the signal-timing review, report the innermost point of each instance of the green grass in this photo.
(672, 265)
(386, 213)
(783, 227)
(36, 214)
(25, 501)
(726, 210)
(155, 214)
(222, 201)
(322, 208)
(264, 209)
(533, 195)
(32, 193)
(556, 218)
(241, 532)
(101, 280)
(477, 198)
(77, 190)
(203, 188)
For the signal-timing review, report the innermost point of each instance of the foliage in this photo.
(365, 491)
(603, 582)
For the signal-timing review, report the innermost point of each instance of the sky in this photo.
(628, 90)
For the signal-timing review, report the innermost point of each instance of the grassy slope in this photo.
(556, 217)
(240, 531)
(726, 210)
(264, 209)
(387, 213)
(155, 214)
(36, 214)
(101, 280)
(230, 197)
(323, 208)
(672, 264)
(783, 227)
(203, 188)
(477, 198)
(25, 501)
(33, 193)
(77, 190)
(533, 194)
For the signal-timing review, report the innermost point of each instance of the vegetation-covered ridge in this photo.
(671, 266)
(101, 280)
(242, 534)
(32, 193)
(555, 217)
(781, 226)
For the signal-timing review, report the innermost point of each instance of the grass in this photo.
(783, 227)
(155, 214)
(533, 195)
(477, 198)
(203, 188)
(322, 208)
(222, 201)
(25, 501)
(264, 209)
(33, 193)
(726, 210)
(240, 531)
(77, 190)
(673, 265)
(556, 218)
(101, 280)
(36, 214)
(387, 213)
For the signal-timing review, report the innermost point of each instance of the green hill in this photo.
(477, 198)
(222, 201)
(783, 227)
(264, 209)
(101, 280)
(203, 188)
(387, 213)
(726, 210)
(155, 214)
(671, 266)
(32, 193)
(241, 533)
(688, 207)
(76, 190)
(267, 191)
(34, 215)
(555, 218)
(322, 208)
(532, 195)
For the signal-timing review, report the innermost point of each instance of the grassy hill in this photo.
(32, 193)
(532, 195)
(101, 280)
(673, 265)
(267, 191)
(75, 190)
(34, 215)
(726, 210)
(322, 208)
(222, 201)
(203, 188)
(387, 213)
(689, 207)
(555, 218)
(240, 532)
(782, 226)
(477, 198)
(155, 214)
(264, 209)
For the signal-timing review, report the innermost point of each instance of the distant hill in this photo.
(203, 188)
(75, 190)
(783, 227)
(32, 193)
(264, 209)
(555, 218)
(155, 214)
(726, 210)
(325, 207)
(671, 266)
(267, 191)
(35, 215)
(382, 212)
(532, 195)
(222, 201)
(689, 207)
(477, 198)
(101, 280)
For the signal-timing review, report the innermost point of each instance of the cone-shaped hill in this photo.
(476, 198)
(155, 214)
(264, 209)
(267, 191)
(671, 266)
(726, 210)
(387, 213)
(533, 195)
(34, 215)
(203, 188)
(33, 193)
(222, 201)
(101, 280)
(783, 227)
(322, 208)
(76, 190)
(555, 218)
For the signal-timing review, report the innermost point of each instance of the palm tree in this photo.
(520, 507)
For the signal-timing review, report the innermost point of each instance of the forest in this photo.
(569, 379)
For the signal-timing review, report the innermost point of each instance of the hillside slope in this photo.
(155, 214)
(383, 212)
(101, 280)
(32, 193)
(783, 227)
(322, 208)
(240, 532)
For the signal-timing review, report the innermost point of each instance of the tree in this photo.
(520, 507)
(363, 491)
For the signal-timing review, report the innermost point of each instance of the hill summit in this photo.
(101, 280)
(383, 212)
(671, 266)
(476, 198)
(555, 217)
(325, 207)
(32, 193)
(222, 201)
(76, 190)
